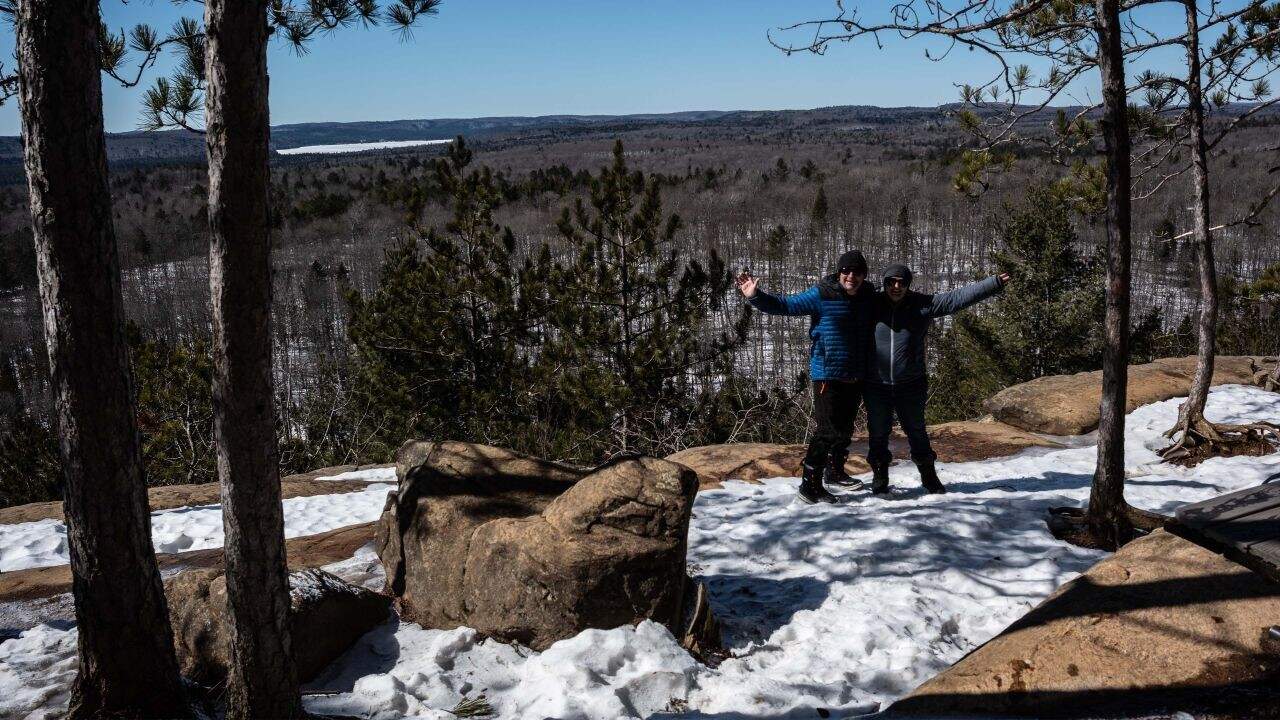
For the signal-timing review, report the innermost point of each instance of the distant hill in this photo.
(169, 145)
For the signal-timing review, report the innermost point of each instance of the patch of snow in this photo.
(37, 669)
(382, 474)
(843, 607)
(363, 569)
(357, 147)
(44, 542)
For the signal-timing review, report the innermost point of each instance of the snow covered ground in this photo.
(380, 474)
(357, 147)
(842, 607)
(44, 542)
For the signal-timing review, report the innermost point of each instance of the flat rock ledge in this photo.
(1162, 625)
(1068, 404)
(965, 441)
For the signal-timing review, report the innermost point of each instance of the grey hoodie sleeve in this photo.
(962, 297)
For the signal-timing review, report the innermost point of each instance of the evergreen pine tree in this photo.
(439, 346)
(777, 244)
(904, 236)
(818, 214)
(1046, 323)
(632, 341)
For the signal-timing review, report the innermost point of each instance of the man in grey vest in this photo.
(897, 381)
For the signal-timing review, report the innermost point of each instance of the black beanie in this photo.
(852, 259)
(898, 271)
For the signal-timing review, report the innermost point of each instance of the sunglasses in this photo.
(850, 271)
(896, 282)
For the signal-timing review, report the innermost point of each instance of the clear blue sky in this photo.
(517, 57)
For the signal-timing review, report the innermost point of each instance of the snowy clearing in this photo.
(840, 607)
(357, 147)
(44, 542)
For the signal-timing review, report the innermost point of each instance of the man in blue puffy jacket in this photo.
(839, 310)
(897, 383)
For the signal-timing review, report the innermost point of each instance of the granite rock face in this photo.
(1069, 404)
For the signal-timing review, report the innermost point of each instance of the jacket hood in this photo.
(898, 270)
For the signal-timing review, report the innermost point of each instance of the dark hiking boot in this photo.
(929, 478)
(880, 479)
(811, 489)
(835, 474)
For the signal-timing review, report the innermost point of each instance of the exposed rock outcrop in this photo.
(1068, 404)
(326, 616)
(1163, 622)
(532, 551)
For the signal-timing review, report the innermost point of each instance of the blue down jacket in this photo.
(839, 326)
(900, 328)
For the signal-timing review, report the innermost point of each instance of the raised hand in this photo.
(747, 284)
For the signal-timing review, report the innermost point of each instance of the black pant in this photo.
(907, 402)
(835, 407)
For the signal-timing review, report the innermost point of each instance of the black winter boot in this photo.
(811, 489)
(929, 478)
(834, 474)
(880, 479)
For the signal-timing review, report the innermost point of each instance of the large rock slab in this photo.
(965, 441)
(527, 550)
(1161, 623)
(1069, 404)
(749, 462)
(326, 615)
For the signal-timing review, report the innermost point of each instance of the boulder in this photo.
(1068, 404)
(532, 551)
(326, 615)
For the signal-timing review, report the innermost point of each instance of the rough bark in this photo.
(262, 681)
(1191, 413)
(126, 658)
(1106, 517)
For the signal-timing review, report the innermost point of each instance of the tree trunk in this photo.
(1106, 517)
(127, 664)
(261, 681)
(1192, 411)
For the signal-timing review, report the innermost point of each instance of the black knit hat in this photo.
(854, 260)
(898, 270)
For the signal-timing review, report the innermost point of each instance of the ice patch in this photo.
(357, 147)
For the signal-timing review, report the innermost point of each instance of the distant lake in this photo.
(356, 147)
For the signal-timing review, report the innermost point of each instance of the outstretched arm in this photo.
(962, 297)
(805, 303)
